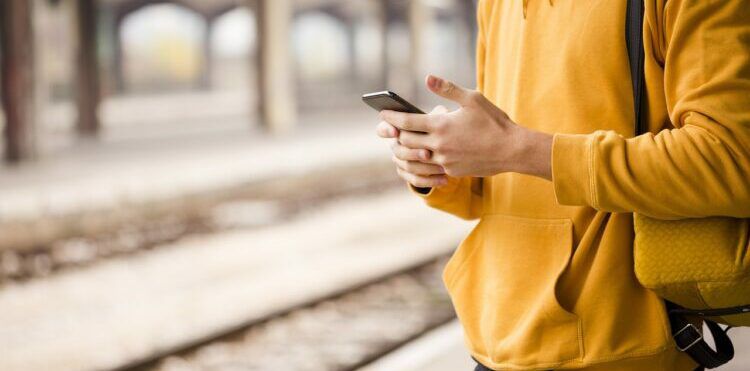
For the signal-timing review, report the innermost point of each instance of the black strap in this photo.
(634, 43)
(718, 312)
(689, 339)
(687, 336)
(481, 367)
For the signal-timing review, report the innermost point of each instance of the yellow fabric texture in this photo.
(546, 280)
(697, 263)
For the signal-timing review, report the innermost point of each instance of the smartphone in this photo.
(388, 100)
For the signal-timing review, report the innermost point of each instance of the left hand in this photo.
(478, 139)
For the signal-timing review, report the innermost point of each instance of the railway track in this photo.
(341, 332)
(85, 240)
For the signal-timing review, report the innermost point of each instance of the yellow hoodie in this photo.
(545, 280)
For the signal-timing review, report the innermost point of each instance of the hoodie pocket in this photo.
(503, 280)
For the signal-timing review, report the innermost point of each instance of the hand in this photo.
(413, 165)
(478, 139)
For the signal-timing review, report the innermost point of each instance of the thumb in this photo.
(448, 90)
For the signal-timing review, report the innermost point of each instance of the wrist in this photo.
(533, 153)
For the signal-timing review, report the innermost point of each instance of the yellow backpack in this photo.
(699, 264)
(701, 267)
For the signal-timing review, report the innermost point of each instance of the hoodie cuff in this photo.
(572, 170)
(437, 195)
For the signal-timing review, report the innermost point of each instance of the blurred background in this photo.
(196, 185)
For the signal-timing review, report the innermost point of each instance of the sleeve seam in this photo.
(592, 180)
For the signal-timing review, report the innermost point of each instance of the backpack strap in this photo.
(687, 336)
(634, 43)
(690, 340)
(718, 312)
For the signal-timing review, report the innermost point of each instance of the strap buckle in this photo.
(691, 332)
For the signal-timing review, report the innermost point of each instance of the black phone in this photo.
(388, 100)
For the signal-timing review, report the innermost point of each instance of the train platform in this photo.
(141, 164)
(129, 169)
(441, 349)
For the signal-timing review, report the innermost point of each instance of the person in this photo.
(543, 154)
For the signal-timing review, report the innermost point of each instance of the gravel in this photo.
(338, 334)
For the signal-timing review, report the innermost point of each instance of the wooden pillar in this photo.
(88, 90)
(276, 90)
(17, 75)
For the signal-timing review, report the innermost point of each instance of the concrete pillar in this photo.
(118, 58)
(276, 91)
(351, 48)
(88, 90)
(469, 15)
(383, 15)
(206, 74)
(106, 25)
(17, 78)
(43, 17)
(419, 16)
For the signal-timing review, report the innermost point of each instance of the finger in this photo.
(449, 90)
(386, 130)
(418, 168)
(415, 140)
(423, 181)
(406, 121)
(408, 154)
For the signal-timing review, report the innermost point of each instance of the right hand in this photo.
(413, 165)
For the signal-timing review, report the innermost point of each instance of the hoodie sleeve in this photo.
(462, 197)
(699, 168)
